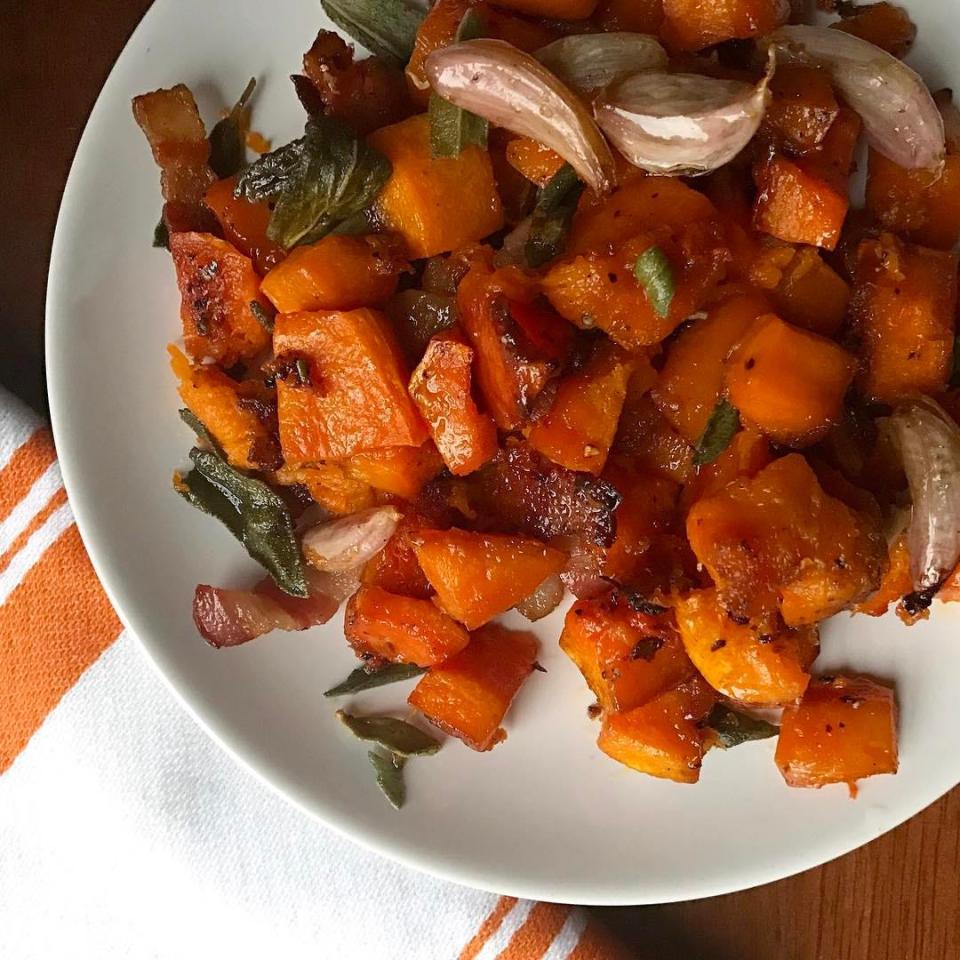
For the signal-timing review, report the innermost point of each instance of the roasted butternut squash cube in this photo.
(748, 453)
(241, 416)
(787, 382)
(842, 731)
(396, 568)
(343, 388)
(535, 161)
(921, 205)
(336, 273)
(468, 695)
(883, 24)
(402, 471)
(244, 224)
(435, 204)
(802, 105)
(217, 285)
(578, 429)
(442, 389)
(646, 436)
(626, 656)
(777, 540)
(693, 24)
(903, 308)
(630, 16)
(738, 659)
(897, 582)
(692, 378)
(479, 575)
(401, 629)
(664, 737)
(330, 484)
(811, 294)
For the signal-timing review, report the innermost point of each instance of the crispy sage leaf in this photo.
(655, 275)
(199, 428)
(717, 434)
(161, 235)
(362, 679)
(316, 182)
(228, 140)
(387, 28)
(390, 777)
(252, 512)
(452, 129)
(552, 215)
(733, 728)
(261, 315)
(395, 735)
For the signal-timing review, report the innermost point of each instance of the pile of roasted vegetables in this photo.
(563, 295)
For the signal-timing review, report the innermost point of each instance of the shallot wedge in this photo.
(348, 543)
(900, 117)
(512, 90)
(681, 123)
(544, 600)
(588, 61)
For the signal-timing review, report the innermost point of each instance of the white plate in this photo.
(544, 815)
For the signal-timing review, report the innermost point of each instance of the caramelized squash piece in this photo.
(694, 24)
(842, 731)
(896, 583)
(631, 16)
(354, 395)
(331, 485)
(787, 382)
(647, 437)
(748, 453)
(627, 657)
(244, 224)
(401, 471)
(883, 24)
(469, 694)
(442, 389)
(664, 737)
(777, 540)
(217, 285)
(336, 273)
(741, 661)
(802, 106)
(903, 308)
(401, 629)
(480, 575)
(396, 568)
(578, 429)
(436, 205)
(535, 161)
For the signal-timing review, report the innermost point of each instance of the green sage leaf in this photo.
(252, 512)
(655, 275)
(551, 216)
(261, 315)
(733, 728)
(387, 28)
(719, 431)
(390, 777)
(316, 182)
(228, 141)
(199, 428)
(395, 735)
(161, 235)
(451, 128)
(362, 679)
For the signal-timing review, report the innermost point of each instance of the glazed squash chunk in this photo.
(886, 25)
(244, 223)
(331, 485)
(401, 629)
(336, 273)
(442, 388)
(626, 656)
(777, 540)
(469, 695)
(695, 24)
(802, 105)
(535, 161)
(479, 575)
(843, 730)
(396, 568)
(903, 308)
(787, 382)
(402, 471)
(664, 737)
(343, 388)
(436, 205)
(748, 453)
(217, 285)
(739, 660)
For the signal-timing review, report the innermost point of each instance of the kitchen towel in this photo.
(125, 832)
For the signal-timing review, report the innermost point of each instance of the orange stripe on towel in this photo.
(597, 944)
(42, 658)
(488, 928)
(53, 504)
(534, 936)
(24, 468)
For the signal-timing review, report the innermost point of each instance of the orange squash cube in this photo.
(330, 484)
(578, 429)
(401, 471)
(883, 24)
(904, 309)
(442, 389)
(354, 397)
(401, 629)
(646, 436)
(436, 205)
(396, 568)
(787, 382)
(469, 694)
(802, 105)
(739, 660)
(811, 294)
(217, 285)
(842, 731)
(748, 453)
(535, 161)
(626, 656)
(244, 224)
(336, 273)
(694, 24)
(479, 575)
(664, 737)
(897, 582)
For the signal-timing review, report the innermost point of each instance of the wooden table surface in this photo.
(896, 899)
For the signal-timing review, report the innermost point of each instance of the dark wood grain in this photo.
(896, 899)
